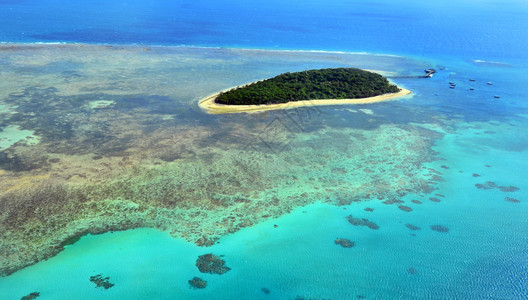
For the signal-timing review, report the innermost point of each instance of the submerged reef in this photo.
(345, 243)
(31, 296)
(412, 227)
(152, 160)
(405, 208)
(212, 264)
(101, 281)
(198, 283)
(488, 185)
(362, 222)
(513, 200)
(440, 228)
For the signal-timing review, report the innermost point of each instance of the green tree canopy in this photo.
(335, 83)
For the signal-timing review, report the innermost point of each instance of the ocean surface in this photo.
(100, 131)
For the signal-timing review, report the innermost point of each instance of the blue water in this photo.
(484, 255)
(469, 29)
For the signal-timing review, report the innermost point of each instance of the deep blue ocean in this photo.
(467, 239)
(468, 29)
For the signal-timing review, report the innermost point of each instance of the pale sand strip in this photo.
(211, 107)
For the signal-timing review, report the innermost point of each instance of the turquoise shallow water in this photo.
(320, 157)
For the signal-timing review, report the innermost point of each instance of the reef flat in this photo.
(123, 145)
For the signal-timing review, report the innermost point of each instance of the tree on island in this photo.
(335, 83)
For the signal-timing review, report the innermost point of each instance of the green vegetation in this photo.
(338, 83)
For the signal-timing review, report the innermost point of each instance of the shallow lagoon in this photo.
(155, 160)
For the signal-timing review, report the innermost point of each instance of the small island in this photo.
(311, 87)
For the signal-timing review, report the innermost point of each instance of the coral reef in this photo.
(265, 290)
(440, 228)
(198, 283)
(405, 208)
(509, 188)
(345, 243)
(513, 200)
(488, 185)
(362, 222)
(212, 264)
(151, 160)
(412, 227)
(101, 281)
(31, 296)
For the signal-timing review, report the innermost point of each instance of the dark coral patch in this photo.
(440, 195)
(509, 188)
(412, 227)
(345, 243)
(198, 283)
(101, 282)
(444, 167)
(412, 270)
(369, 209)
(362, 222)
(488, 185)
(439, 228)
(31, 296)
(392, 201)
(265, 290)
(212, 264)
(416, 201)
(405, 208)
(434, 199)
(513, 200)
(476, 175)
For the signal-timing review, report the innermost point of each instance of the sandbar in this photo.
(212, 107)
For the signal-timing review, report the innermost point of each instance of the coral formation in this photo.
(439, 228)
(405, 208)
(509, 188)
(31, 296)
(513, 200)
(362, 222)
(212, 264)
(198, 283)
(345, 243)
(488, 185)
(412, 227)
(101, 281)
